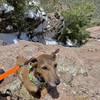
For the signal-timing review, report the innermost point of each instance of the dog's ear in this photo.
(54, 53)
(20, 60)
(33, 62)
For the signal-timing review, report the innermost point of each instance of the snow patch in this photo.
(50, 41)
(5, 7)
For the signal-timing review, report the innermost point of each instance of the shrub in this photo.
(75, 22)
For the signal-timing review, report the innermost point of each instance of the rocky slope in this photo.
(78, 68)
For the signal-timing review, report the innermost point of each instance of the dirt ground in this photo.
(78, 68)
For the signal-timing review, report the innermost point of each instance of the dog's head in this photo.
(45, 68)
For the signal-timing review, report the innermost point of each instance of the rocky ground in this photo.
(78, 68)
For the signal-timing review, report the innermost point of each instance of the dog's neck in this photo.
(37, 80)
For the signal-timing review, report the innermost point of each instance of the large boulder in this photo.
(78, 81)
(94, 32)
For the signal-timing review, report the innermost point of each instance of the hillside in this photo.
(97, 5)
(78, 66)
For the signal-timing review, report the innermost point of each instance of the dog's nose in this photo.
(57, 82)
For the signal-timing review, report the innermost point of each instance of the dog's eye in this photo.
(55, 65)
(44, 68)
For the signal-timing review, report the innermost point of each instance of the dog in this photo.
(37, 74)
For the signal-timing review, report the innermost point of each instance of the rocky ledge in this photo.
(78, 68)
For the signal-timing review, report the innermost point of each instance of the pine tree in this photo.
(74, 24)
(17, 19)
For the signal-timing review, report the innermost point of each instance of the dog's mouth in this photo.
(52, 84)
(41, 79)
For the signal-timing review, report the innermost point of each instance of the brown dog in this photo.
(38, 73)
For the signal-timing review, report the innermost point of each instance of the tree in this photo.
(75, 22)
(17, 17)
(53, 5)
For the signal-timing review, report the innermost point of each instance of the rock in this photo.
(94, 32)
(2, 43)
(78, 82)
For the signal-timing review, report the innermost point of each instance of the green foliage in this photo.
(96, 15)
(16, 18)
(97, 11)
(75, 22)
(49, 5)
(2, 1)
